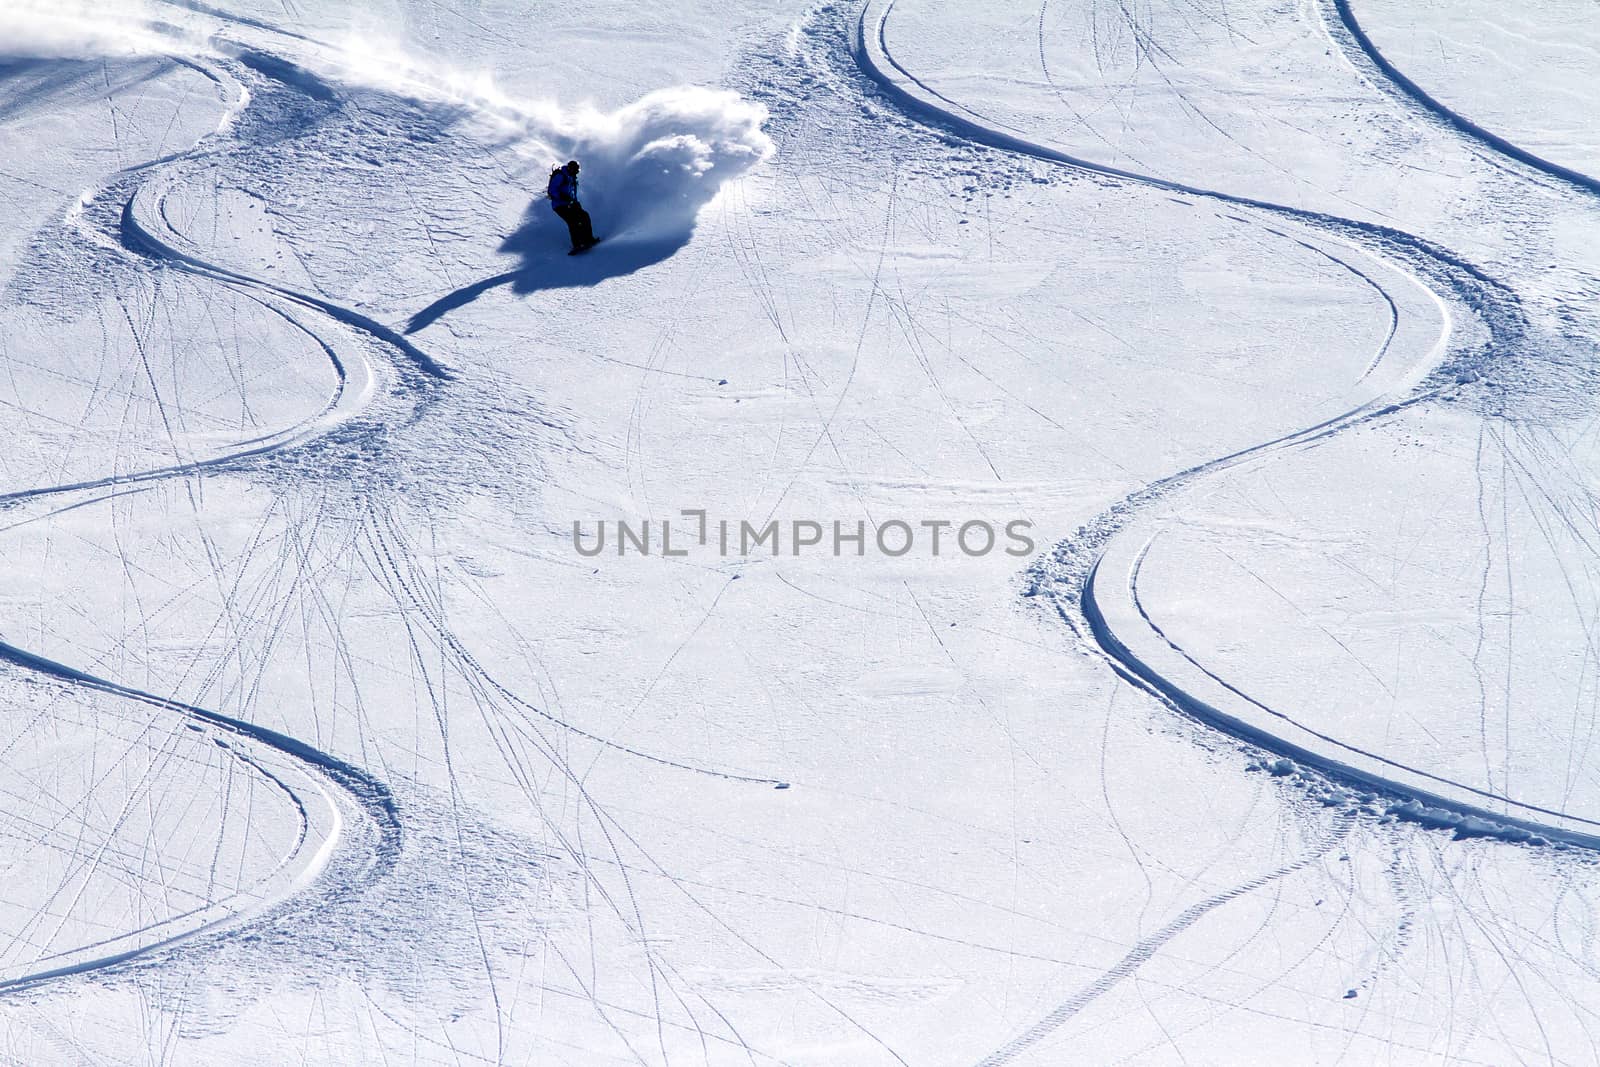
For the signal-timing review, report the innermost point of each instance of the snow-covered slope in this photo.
(326, 743)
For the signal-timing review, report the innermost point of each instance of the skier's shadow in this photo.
(540, 243)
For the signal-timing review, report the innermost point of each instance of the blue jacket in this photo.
(563, 190)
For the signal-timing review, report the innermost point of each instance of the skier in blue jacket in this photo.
(563, 192)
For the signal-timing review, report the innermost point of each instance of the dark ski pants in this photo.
(578, 224)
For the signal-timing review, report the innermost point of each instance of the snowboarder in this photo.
(563, 193)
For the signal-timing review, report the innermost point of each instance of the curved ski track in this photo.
(1095, 571)
(304, 773)
(321, 788)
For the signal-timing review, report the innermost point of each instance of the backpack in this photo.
(558, 190)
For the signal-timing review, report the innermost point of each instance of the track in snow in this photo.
(393, 388)
(1392, 76)
(324, 790)
(1091, 578)
(1077, 575)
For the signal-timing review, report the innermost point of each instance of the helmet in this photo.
(572, 165)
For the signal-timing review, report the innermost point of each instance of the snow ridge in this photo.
(270, 755)
(1094, 573)
(300, 771)
(1091, 577)
(679, 145)
(1415, 94)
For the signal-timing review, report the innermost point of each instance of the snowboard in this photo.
(585, 248)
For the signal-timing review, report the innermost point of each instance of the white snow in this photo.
(1271, 326)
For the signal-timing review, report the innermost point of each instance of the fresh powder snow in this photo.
(1050, 533)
